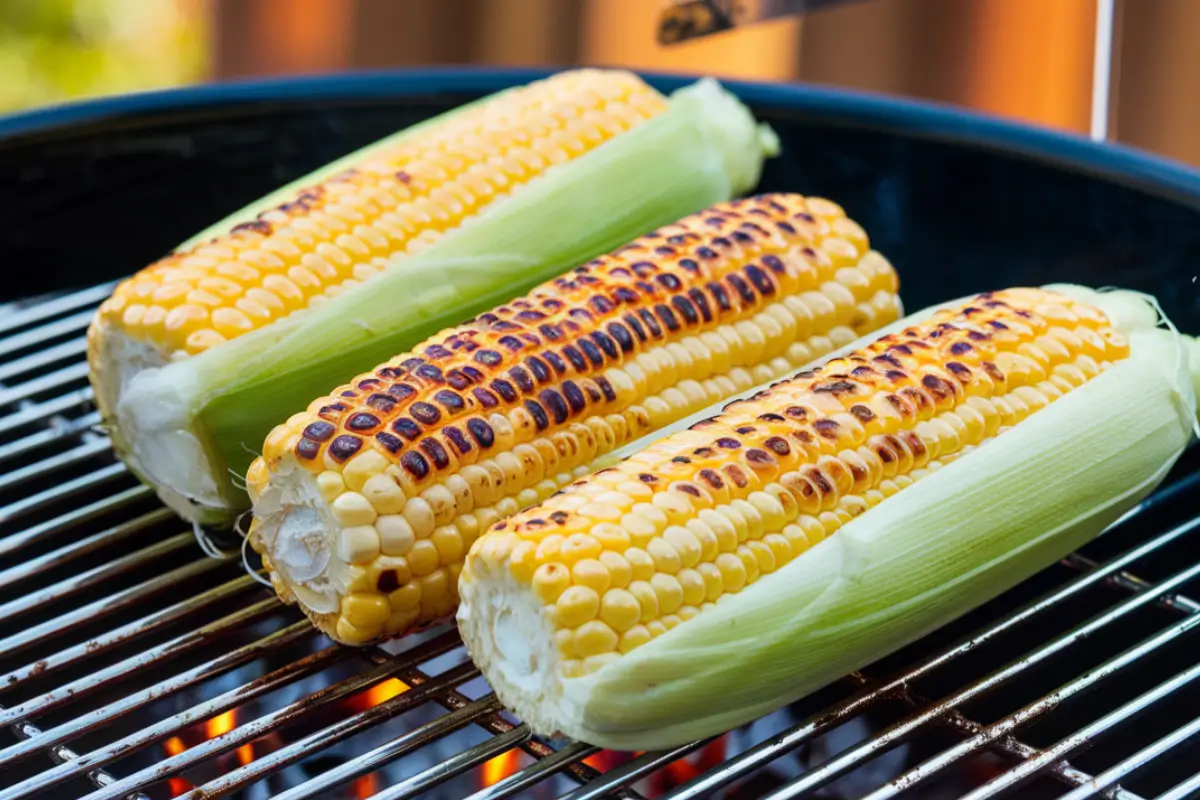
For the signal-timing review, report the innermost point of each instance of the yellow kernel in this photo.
(735, 518)
(674, 506)
(423, 557)
(666, 558)
(723, 527)
(358, 544)
(442, 503)
(550, 548)
(564, 643)
(420, 516)
(693, 586)
(733, 571)
(383, 493)
(706, 536)
(620, 609)
(669, 621)
(641, 563)
(770, 509)
(648, 513)
(763, 556)
(366, 610)
(579, 546)
(685, 544)
(593, 663)
(647, 599)
(330, 484)
(714, 584)
(781, 549)
(406, 597)
(640, 529)
(350, 633)
(610, 536)
(620, 572)
(600, 512)
(434, 588)
(448, 542)
(395, 534)
(753, 519)
(656, 628)
(352, 509)
(668, 591)
(577, 605)
(636, 636)
(572, 668)
(359, 469)
(550, 581)
(591, 573)
(594, 638)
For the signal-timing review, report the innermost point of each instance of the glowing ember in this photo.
(690, 766)
(379, 693)
(224, 723)
(173, 747)
(364, 787)
(499, 767)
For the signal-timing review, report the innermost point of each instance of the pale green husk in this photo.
(924, 556)
(193, 426)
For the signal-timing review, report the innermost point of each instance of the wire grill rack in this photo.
(119, 636)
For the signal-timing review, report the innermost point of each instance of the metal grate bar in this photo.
(69, 458)
(455, 765)
(64, 755)
(127, 632)
(1026, 769)
(43, 309)
(1135, 761)
(60, 429)
(268, 722)
(1032, 711)
(76, 323)
(35, 362)
(63, 491)
(39, 634)
(531, 775)
(390, 751)
(122, 670)
(101, 716)
(82, 547)
(64, 589)
(114, 502)
(1184, 791)
(38, 413)
(421, 689)
(58, 379)
(631, 771)
(299, 668)
(776, 746)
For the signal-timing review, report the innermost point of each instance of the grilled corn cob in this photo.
(195, 357)
(366, 502)
(737, 564)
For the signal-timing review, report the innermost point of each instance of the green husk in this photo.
(705, 148)
(923, 557)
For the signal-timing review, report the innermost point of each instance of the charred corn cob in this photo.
(365, 503)
(740, 563)
(195, 357)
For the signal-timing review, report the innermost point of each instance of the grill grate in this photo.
(119, 638)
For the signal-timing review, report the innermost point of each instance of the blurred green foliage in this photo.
(57, 50)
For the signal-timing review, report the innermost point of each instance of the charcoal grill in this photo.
(136, 665)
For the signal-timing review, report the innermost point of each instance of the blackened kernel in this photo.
(998, 325)
(485, 398)
(959, 348)
(712, 478)
(667, 316)
(688, 488)
(760, 279)
(978, 336)
(742, 237)
(939, 387)
(389, 442)
(607, 344)
(707, 252)
(456, 439)
(804, 437)
(406, 428)
(681, 460)
(555, 404)
(552, 332)
(481, 431)
(349, 393)
(574, 395)
(555, 360)
(778, 445)
(541, 372)
(504, 325)
(646, 477)
(344, 446)
(624, 294)
(863, 372)
(745, 430)
(415, 464)
(820, 481)
(505, 390)
(773, 263)
(961, 371)
(438, 352)
(474, 375)
(430, 373)
(401, 391)
(669, 282)
(369, 384)
(390, 373)
(450, 401)
(771, 417)
(511, 343)
(382, 403)
(362, 421)
(796, 412)
(308, 449)
(728, 443)
(685, 309)
(759, 458)
(902, 349)
(592, 352)
(701, 302)
(862, 413)
(593, 392)
(993, 371)
(736, 474)
(651, 323)
(412, 363)
(521, 378)
(643, 269)
(538, 413)
(425, 413)
(388, 581)
(722, 242)
(601, 304)
(827, 428)
(689, 264)
(647, 288)
(437, 454)
(621, 335)
(743, 289)
(531, 316)
(836, 387)
(559, 517)
(319, 431)
(610, 394)
(895, 375)
(704, 452)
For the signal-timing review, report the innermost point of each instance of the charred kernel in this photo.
(456, 439)
(541, 372)
(538, 413)
(959, 348)
(998, 325)
(706, 252)
(992, 370)
(689, 264)
(651, 323)
(743, 289)
(771, 417)
(685, 309)
(796, 412)
(778, 445)
(895, 375)
(592, 392)
(701, 302)
(369, 384)
(836, 387)
(531, 316)
(704, 452)
(759, 458)
(505, 390)
(721, 241)
(646, 477)
(670, 282)
(643, 269)
(720, 296)
(505, 325)
(607, 344)
(728, 443)
(412, 363)
(610, 394)
(712, 478)
(575, 357)
(804, 437)
(621, 335)
(437, 454)
(976, 336)
(406, 428)
(344, 446)
(388, 581)
(666, 315)
(773, 263)
(319, 431)
(687, 488)
(458, 379)
(625, 295)
(555, 360)
(961, 371)
(415, 464)
(559, 517)
(635, 326)
(430, 373)
(362, 421)
(401, 391)
(602, 305)
(555, 404)
(862, 413)
(863, 372)
(425, 413)
(745, 429)
(521, 378)
(820, 481)
(390, 443)
(760, 280)
(888, 358)
(381, 402)
(827, 428)
(486, 399)
(308, 449)
(736, 474)
(938, 386)
(511, 343)
(438, 352)
(592, 352)
(575, 398)
(349, 393)
(473, 375)
(552, 332)
(481, 432)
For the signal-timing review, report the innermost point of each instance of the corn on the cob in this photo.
(366, 503)
(735, 565)
(197, 355)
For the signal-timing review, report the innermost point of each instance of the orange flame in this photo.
(224, 723)
(173, 747)
(499, 767)
(364, 787)
(685, 769)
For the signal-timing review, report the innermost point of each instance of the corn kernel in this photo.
(577, 605)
